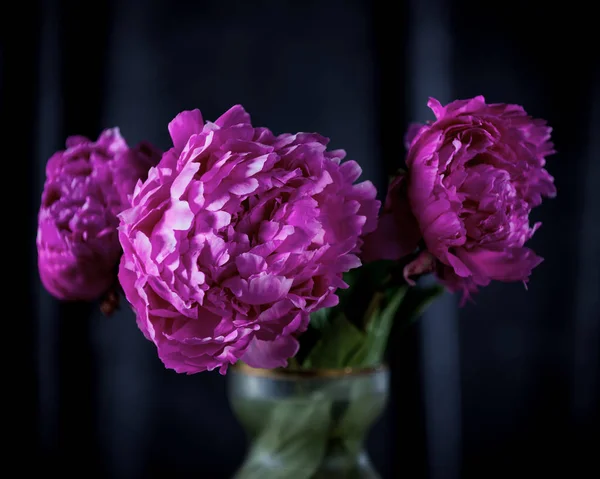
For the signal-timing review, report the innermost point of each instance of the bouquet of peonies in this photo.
(238, 244)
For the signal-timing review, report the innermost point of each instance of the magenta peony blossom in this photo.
(397, 233)
(236, 237)
(86, 186)
(474, 174)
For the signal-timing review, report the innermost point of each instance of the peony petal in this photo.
(279, 310)
(347, 262)
(412, 132)
(249, 264)
(392, 240)
(184, 125)
(351, 171)
(270, 354)
(253, 166)
(268, 230)
(236, 115)
(76, 140)
(266, 289)
(245, 187)
(183, 179)
(178, 216)
(397, 233)
(460, 268)
(512, 265)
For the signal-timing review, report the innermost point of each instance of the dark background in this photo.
(506, 387)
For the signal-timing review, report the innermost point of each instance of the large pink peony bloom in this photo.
(86, 186)
(236, 237)
(474, 174)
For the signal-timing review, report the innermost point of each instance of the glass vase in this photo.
(307, 424)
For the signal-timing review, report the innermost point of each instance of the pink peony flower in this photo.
(397, 233)
(236, 237)
(86, 186)
(474, 174)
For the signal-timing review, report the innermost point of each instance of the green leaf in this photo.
(320, 321)
(350, 278)
(417, 300)
(293, 439)
(366, 402)
(320, 318)
(378, 328)
(366, 279)
(339, 341)
(365, 282)
(356, 332)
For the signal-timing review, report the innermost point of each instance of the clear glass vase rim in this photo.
(295, 374)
